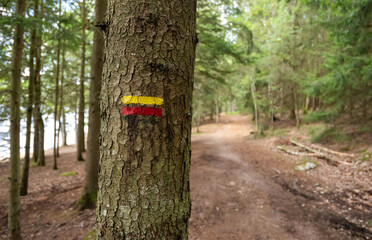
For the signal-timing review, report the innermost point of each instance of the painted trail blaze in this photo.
(145, 111)
(142, 100)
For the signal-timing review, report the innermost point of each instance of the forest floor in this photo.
(241, 188)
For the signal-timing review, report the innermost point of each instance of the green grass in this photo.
(366, 156)
(278, 132)
(367, 128)
(314, 129)
(90, 235)
(65, 174)
(333, 134)
(197, 133)
(233, 113)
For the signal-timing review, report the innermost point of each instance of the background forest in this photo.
(291, 65)
(302, 60)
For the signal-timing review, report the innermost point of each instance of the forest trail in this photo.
(241, 189)
(239, 193)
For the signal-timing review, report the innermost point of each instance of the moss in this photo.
(90, 235)
(87, 201)
(369, 224)
(65, 174)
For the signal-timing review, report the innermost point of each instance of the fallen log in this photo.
(296, 153)
(341, 154)
(329, 160)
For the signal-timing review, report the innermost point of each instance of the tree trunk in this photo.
(64, 131)
(80, 134)
(297, 113)
(211, 112)
(89, 195)
(39, 155)
(61, 100)
(271, 102)
(37, 90)
(253, 91)
(292, 114)
(57, 89)
(146, 99)
(199, 117)
(26, 164)
(217, 110)
(14, 229)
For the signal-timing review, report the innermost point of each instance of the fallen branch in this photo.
(296, 153)
(330, 160)
(341, 154)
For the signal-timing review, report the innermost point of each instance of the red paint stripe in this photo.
(145, 111)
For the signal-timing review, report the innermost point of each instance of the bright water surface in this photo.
(48, 141)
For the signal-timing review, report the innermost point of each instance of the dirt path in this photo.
(241, 189)
(239, 192)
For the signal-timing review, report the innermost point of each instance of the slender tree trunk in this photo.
(64, 131)
(307, 103)
(36, 134)
(41, 160)
(292, 114)
(211, 112)
(37, 91)
(146, 142)
(253, 90)
(60, 101)
(198, 119)
(80, 135)
(217, 110)
(14, 229)
(271, 101)
(39, 124)
(26, 164)
(89, 195)
(296, 106)
(57, 89)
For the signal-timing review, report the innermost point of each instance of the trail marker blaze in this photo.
(142, 100)
(144, 111)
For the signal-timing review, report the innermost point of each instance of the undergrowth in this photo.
(67, 174)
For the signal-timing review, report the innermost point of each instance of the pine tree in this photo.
(80, 141)
(14, 229)
(89, 195)
(146, 98)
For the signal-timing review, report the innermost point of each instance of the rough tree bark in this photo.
(144, 190)
(14, 229)
(80, 133)
(33, 47)
(89, 195)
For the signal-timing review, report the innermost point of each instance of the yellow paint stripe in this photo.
(142, 100)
